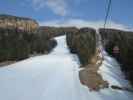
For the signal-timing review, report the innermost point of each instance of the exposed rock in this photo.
(83, 43)
(129, 89)
(18, 23)
(123, 40)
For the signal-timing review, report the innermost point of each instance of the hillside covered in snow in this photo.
(55, 76)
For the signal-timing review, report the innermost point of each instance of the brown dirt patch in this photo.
(90, 77)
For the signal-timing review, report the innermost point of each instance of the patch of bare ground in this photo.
(5, 63)
(90, 77)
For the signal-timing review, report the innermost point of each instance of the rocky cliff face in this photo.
(18, 23)
(119, 44)
(83, 43)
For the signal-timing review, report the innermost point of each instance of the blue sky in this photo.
(46, 11)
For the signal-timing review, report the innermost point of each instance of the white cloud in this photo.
(38, 4)
(84, 23)
(59, 7)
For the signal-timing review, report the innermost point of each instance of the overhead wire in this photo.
(107, 12)
(105, 21)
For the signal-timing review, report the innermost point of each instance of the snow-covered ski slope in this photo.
(55, 77)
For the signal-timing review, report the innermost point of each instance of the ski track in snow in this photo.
(55, 77)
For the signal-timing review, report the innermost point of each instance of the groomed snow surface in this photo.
(55, 77)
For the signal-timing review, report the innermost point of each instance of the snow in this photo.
(55, 77)
(110, 70)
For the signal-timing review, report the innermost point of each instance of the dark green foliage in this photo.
(42, 43)
(70, 42)
(51, 32)
(83, 43)
(16, 45)
(12, 45)
(51, 44)
(124, 40)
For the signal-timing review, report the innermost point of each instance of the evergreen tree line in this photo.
(18, 45)
(83, 43)
(124, 41)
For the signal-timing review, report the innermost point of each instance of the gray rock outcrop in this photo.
(18, 23)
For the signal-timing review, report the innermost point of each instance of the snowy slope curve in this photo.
(52, 77)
